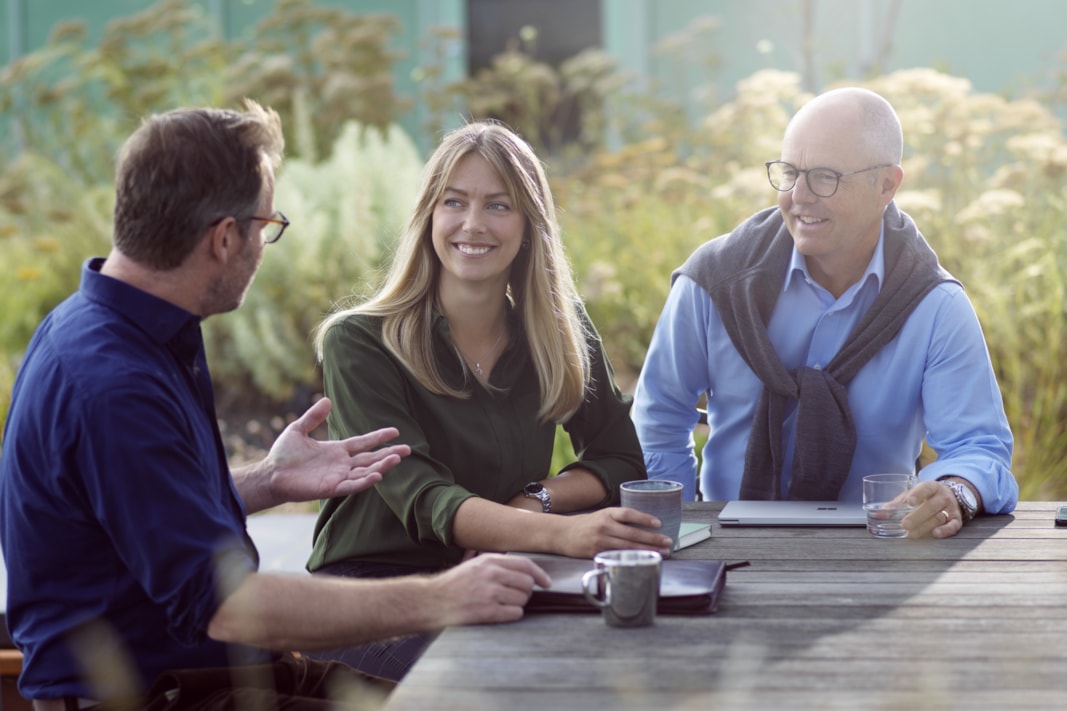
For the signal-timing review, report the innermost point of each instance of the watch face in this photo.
(537, 490)
(966, 499)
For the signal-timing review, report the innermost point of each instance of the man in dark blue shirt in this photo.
(123, 527)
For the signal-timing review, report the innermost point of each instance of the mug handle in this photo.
(590, 582)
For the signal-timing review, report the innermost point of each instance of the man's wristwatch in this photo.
(537, 490)
(965, 497)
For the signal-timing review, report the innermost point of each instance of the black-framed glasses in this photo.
(274, 228)
(823, 182)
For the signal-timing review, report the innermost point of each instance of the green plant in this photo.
(647, 183)
(346, 212)
(319, 65)
(7, 381)
(436, 92)
(983, 178)
(74, 104)
(562, 451)
(48, 226)
(631, 216)
(542, 102)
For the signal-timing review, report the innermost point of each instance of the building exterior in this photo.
(1001, 46)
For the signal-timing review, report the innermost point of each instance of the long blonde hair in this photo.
(541, 286)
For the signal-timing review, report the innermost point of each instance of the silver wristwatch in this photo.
(537, 490)
(965, 497)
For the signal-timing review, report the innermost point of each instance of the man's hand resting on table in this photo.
(488, 588)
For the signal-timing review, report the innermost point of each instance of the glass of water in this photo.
(883, 500)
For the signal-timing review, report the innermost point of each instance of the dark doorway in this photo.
(564, 28)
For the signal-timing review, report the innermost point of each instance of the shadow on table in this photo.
(818, 598)
(812, 603)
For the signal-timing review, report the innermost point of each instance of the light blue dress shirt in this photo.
(933, 381)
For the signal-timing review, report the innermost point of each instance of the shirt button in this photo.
(817, 366)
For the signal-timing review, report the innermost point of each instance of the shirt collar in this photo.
(798, 266)
(163, 321)
(439, 325)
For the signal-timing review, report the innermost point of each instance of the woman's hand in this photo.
(609, 529)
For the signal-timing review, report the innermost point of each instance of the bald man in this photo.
(828, 341)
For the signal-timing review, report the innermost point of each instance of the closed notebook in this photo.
(692, 532)
(687, 587)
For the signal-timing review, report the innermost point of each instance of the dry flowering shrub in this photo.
(644, 207)
(346, 212)
(556, 109)
(984, 178)
(654, 173)
(319, 65)
(66, 108)
(49, 224)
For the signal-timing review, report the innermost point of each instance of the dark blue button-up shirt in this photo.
(120, 518)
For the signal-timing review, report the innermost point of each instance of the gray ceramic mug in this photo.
(659, 497)
(625, 586)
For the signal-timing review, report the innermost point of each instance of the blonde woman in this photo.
(474, 349)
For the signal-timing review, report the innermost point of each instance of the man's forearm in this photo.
(285, 612)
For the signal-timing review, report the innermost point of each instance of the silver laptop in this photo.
(792, 513)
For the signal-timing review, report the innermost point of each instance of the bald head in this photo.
(860, 118)
(836, 221)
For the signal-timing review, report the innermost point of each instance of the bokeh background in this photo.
(654, 118)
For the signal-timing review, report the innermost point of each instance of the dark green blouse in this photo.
(489, 445)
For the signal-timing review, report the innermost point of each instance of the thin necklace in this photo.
(478, 363)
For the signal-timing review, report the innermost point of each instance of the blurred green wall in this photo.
(1001, 46)
(27, 25)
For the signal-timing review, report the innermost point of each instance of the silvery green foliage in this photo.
(346, 212)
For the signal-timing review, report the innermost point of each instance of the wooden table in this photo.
(822, 619)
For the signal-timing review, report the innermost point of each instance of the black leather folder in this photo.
(687, 587)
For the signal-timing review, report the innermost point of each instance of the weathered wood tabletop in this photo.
(823, 618)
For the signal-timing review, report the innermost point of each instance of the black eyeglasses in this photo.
(823, 182)
(275, 227)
